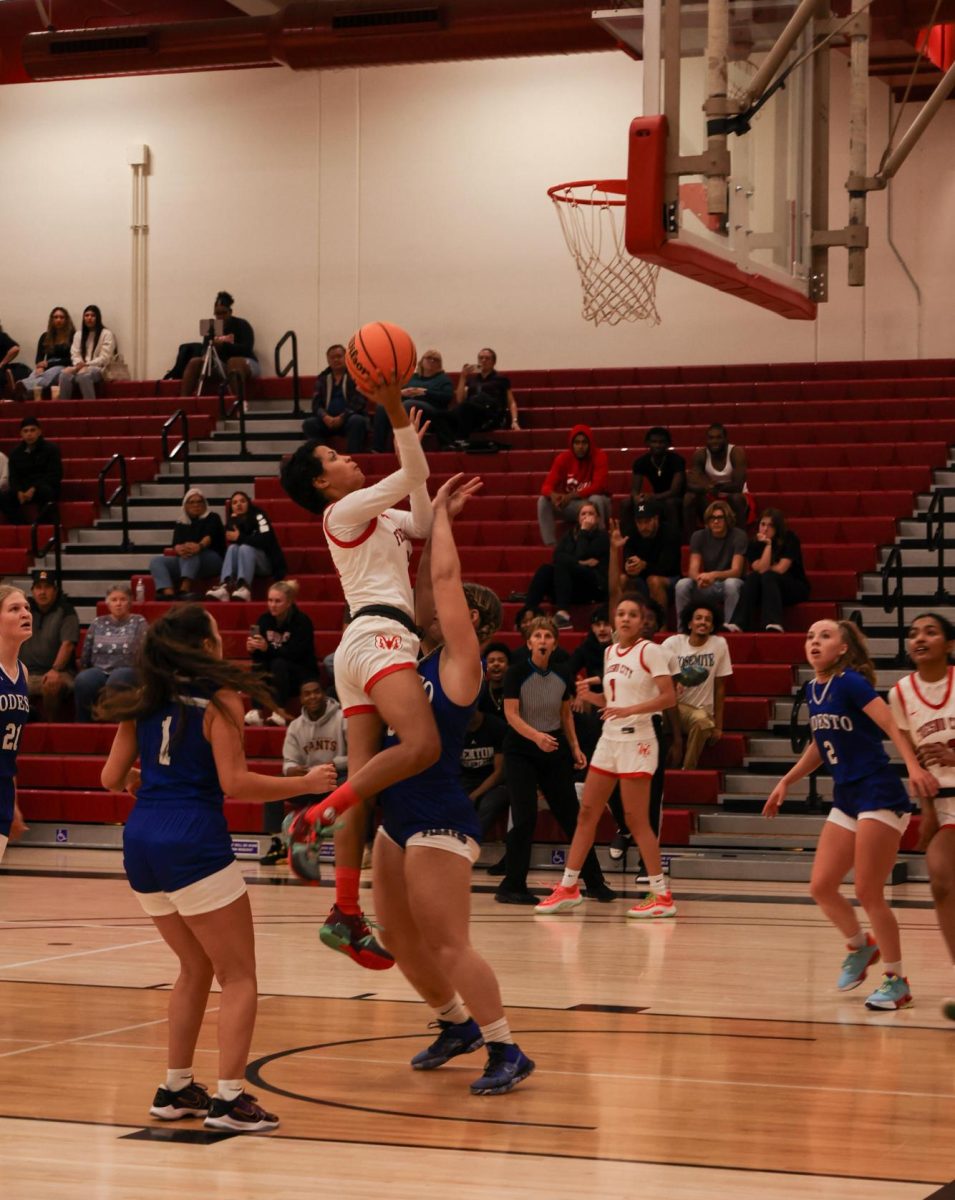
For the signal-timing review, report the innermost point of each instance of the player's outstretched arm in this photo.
(461, 671)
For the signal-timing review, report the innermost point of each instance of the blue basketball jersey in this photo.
(176, 762)
(849, 742)
(435, 798)
(14, 714)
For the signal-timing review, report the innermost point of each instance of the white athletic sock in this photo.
(857, 941)
(497, 1031)
(230, 1089)
(658, 884)
(177, 1078)
(570, 878)
(893, 968)
(454, 1011)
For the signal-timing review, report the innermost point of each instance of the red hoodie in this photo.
(583, 476)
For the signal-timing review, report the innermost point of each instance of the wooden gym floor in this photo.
(704, 1057)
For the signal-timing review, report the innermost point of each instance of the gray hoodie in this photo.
(308, 743)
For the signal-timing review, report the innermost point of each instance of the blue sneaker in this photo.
(450, 1042)
(856, 964)
(506, 1067)
(893, 992)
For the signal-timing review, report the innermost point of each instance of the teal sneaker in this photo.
(893, 992)
(856, 964)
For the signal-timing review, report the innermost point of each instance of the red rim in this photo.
(619, 186)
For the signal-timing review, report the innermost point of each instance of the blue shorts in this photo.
(7, 794)
(404, 816)
(165, 849)
(882, 790)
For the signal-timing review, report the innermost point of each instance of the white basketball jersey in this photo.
(628, 679)
(927, 712)
(373, 566)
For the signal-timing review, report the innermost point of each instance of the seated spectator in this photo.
(776, 576)
(110, 651)
(36, 472)
(316, 736)
(338, 407)
(483, 399)
(482, 767)
(10, 371)
(49, 653)
(497, 658)
(651, 555)
(717, 562)
(91, 355)
(660, 474)
(576, 475)
(198, 544)
(717, 472)
(431, 391)
(53, 355)
(235, 348)
(251, 549)
(282, 644)
(578, 572)
(700, 708)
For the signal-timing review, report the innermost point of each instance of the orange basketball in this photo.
(380, 352)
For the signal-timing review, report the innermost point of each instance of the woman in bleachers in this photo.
(776, 576)
(110, 651)
(251, 549)
(91, 355)
(282, 644)
(578, 572)
(52, 354)
(198, 544)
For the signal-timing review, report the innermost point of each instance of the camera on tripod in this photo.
(212, 369)
(211, 328)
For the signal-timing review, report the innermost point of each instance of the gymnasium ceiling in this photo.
(181, 35)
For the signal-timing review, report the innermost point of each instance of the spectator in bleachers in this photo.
(49, 655)
(251, 549)
(282, 645)
(577, 573)
(338, 407)
(586, 662)
(53, 354)
(700, 708)
(429, 389)
(36, 472)
(541, 752)
(484, 399)
(717, 562)
(659, 474)
(10, 371)
(198, 544)
(91, 355)
(776, 576)
(110, 651)
(717, 472)
(651, 554)
(235, 347)
(482, 767)
(577, 475)
(497, 658)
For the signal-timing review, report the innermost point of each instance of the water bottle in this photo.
(140, 590)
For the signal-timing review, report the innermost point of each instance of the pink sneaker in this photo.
(561, 899)
(654, 905)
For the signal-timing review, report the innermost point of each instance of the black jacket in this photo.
(35, 466)
(586, 543)
(292, 640)
(256, 530)
(208, 525)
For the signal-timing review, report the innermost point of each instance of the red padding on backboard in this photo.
(646, 238)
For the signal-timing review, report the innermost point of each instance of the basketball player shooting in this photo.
(375, 663)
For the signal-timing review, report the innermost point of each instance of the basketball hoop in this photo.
(616, 286)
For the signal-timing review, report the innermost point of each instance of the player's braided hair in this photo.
(174, 663)
(488, 606)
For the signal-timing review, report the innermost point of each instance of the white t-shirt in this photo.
(628, 679)
(927, 712)
(714, 655)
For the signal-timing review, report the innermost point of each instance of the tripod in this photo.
(212, 367)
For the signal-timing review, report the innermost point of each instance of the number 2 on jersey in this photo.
(831, 757)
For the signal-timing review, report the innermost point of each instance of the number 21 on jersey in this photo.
(11, 737)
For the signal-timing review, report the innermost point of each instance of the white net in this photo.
(617, 287)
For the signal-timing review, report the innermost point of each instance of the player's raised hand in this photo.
(617, 540)
(417, 418)
(453, 495)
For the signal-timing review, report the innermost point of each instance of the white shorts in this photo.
(945, 809)
(205, 895)
(627, 758)
(895, 820)
(371, 647)
(466, 848)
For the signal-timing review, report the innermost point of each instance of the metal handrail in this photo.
(799, 736)
(121, 492)
(237, 383)
(54, 541)
(935, 537)
(291, 365)
(896, 601)
(182, 448)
